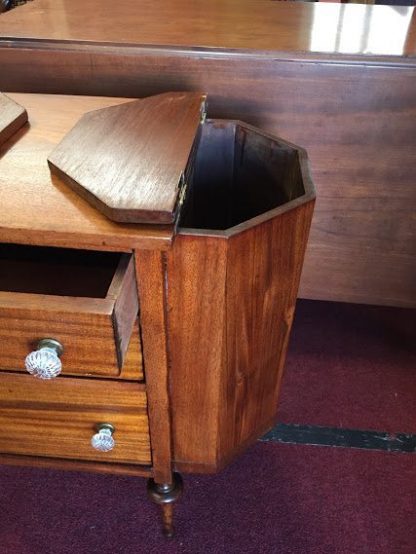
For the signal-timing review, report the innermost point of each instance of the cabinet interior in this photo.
(236, 174)
(56, 271)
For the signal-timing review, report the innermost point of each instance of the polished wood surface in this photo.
(58, 418)
(227, 354)
(215, 309)
(320, 75)
(197, 324)
(151, 283)
(12, 117)
(128, 160)
(231, 291)
(125, 312)
(165, 495)
(38, 208)
(262, 283)
(95, 332)
(260, 25)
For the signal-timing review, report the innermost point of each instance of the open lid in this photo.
(127, 160)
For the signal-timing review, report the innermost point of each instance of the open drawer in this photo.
(84, 300)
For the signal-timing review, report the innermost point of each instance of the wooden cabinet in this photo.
(194, 297)
(317, 74)
(85, 300)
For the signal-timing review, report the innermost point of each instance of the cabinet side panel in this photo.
(264, 265)
(196, 268)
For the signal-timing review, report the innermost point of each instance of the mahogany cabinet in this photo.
(148, 280)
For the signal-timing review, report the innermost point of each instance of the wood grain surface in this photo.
(196, 269)
(126, 307)
(76, 465)
(227, 354)
(231, 292)
(95, 332)
(12, 117)
(151, 283)
(58, 418)
(127, 160)
(264, 265)
(319, 75)
(260, 25)
(38, 208)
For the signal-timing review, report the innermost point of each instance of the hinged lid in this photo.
(127, 160)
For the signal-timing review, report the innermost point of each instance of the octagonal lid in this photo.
(127, 160)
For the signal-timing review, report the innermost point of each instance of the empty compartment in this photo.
(56, 271)
(236, 174)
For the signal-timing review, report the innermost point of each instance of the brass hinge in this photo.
(203, 112)
(183, 185)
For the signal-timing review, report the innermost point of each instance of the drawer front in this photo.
(89, 347)
(58, 418)
(99, 334)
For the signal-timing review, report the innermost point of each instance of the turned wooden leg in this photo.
(165, 494)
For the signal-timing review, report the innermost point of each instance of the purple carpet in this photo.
(351, 366)
(274, 499)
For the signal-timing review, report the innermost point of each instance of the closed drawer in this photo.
(58, 418)
(85, 300)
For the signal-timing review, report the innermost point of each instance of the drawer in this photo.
(58, 418)
(86, 300)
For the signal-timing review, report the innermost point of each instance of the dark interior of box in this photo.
(236, 174)
(56, 271)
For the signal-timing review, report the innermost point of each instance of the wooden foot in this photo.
(165, 494)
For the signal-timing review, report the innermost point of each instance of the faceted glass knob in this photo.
(44, 362)
(103, 439)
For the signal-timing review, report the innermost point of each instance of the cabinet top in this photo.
(294, 29)
(36, 207)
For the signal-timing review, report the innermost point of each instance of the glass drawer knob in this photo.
(103, 439)
(44, 362)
